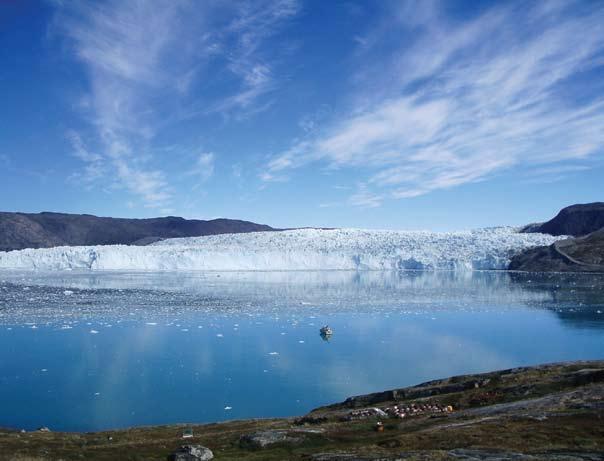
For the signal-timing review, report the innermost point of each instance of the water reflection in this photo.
(51, 296)
(577, 299)
(84, 351)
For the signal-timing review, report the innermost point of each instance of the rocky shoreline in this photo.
(547, 412)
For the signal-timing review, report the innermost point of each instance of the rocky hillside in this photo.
(583, 254)
(44, 230)
(543, 413)
(575, 220)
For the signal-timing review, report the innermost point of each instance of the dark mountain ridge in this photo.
(583, 253)
(44, 230)
(575, 220)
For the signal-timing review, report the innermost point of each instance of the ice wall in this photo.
(305, 249)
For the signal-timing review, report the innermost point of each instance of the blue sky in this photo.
(410, 115)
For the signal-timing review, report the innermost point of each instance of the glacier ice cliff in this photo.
(302, 249)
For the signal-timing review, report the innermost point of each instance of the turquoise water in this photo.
(82, 351)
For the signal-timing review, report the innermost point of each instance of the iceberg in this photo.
(301, 249)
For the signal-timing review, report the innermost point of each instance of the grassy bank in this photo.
(544, 412)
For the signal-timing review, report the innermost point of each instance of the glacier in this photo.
(300, 249)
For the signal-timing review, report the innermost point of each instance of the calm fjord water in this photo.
(89, 351)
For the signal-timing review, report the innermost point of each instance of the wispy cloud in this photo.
(203, 169)
(141, 60)
(364, 198)
(254, 23)
(95, 165)
(459, 102)
(555, 173)
(127, 50)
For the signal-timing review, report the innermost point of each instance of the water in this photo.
(90, 351)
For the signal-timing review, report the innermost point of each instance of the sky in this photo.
(374, 114)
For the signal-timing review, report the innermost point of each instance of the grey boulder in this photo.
(192, 453)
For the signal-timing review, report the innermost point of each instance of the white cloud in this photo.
(462, 101)
(559, 169)
(237, 170)
(126, 48)
(142, 59)
(254, 23)
(364, 198)
(95, 166)
(203, 169)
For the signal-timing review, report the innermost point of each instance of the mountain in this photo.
(582, 254)
(585, 253)
(44, 230)
(575, 220)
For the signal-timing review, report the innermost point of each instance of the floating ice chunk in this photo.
(94, 332)
(273, 353)
(227, 408)
(43, 370)
(301, 342)
(151, 323)
(68, 292)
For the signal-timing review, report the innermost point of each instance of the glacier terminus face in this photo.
(302, 249)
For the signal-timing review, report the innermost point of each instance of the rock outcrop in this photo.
(192, 453)
(45, 230)
(583, 254)
(263, 439)
(575, 220)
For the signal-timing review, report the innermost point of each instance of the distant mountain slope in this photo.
(44, 230)
(582, 254)
(585, 253)
(575, 220)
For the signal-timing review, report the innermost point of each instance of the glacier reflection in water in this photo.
(85, 351)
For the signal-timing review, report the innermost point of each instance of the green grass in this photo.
(567, 426)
